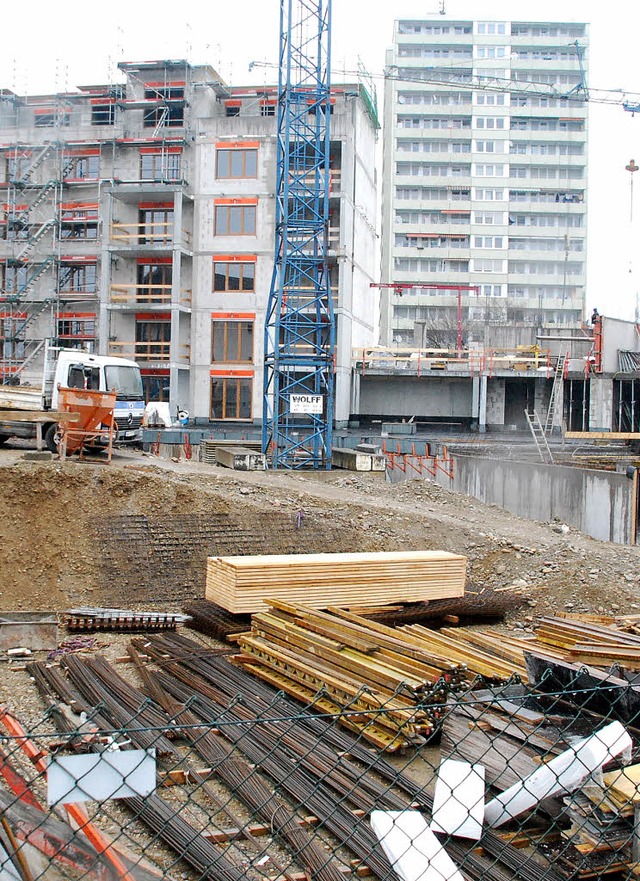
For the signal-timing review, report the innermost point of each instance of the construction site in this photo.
(312, 572)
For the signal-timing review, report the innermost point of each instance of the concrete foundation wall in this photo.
(597, 503)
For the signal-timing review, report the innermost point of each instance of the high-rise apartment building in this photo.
(137, 220)
(484, 180)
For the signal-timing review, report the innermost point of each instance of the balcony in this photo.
(158, 234)
(149, 352)
(140, 296)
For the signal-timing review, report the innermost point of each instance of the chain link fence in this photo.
(183, 766)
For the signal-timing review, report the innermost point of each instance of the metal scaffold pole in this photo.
(300, 329)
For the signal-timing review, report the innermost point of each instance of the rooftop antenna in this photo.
(631, 167)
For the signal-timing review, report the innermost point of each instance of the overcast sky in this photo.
(59, 46)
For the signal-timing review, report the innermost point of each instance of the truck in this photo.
(74, 368)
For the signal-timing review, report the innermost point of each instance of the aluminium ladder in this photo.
(558, 378)
(539, 437)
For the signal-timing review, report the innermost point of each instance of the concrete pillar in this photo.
(105, 276)
(176, 288)
(355, 392)
(482, 405)
(475, 397)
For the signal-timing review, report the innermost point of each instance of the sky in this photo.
(58, 48)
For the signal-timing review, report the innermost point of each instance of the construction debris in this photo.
(240, 584)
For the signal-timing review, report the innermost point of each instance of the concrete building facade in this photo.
(138, 220)
(484, 179)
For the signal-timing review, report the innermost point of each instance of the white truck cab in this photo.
(74, 368)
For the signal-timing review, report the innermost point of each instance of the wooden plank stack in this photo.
(240, 584)
(390, 682)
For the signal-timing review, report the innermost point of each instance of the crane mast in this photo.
(300, 329)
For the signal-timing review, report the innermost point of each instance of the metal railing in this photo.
(468, 361)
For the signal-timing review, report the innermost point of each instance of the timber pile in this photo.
(240, 584)
(395, 679)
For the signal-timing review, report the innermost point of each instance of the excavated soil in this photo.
(137, 533)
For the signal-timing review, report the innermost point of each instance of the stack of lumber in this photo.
(396, 680)
(240, 584)
(586, 642)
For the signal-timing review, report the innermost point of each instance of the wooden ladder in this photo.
(539, 437)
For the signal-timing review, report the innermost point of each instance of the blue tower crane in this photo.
(300, 328)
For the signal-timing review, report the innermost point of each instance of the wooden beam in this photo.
(37, 416)
(602, 435)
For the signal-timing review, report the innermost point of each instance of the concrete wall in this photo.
(597, 503)
(415, 396)
(617, 334)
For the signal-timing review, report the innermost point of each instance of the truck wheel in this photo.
(51, 437)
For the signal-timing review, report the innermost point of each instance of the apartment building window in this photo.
(268, 108)
(103, 111)
(237, 162)
(235, 217)
(234, 274)
(487, 266)
(483, 194)
(484, 98)
(491, 290)
(76, 329)
(231, 337)
(231, 396)
(489, 170)
(491, 27)
(488, 147)
(47, 117)
(154, 280)
(489, 217)
(155, 222)
(15, 278)
(153, 337)
(12, 327)
(78, 278)
(160, 165)
(82, 166)
(155, 385)
(497, 122)
(79, 220)
(488, 242)
(17, 164)
(491, 52)
(170, 109)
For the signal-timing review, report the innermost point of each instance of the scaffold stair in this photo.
(539, 437)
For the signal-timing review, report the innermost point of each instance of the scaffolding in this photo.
(299, 328)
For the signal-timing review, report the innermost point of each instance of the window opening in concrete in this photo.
(231, 397)
(235, 220)
(236, 163)
(626, 405)
(232, 341)
(234, 276)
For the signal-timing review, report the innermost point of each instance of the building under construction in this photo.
(138, 220)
